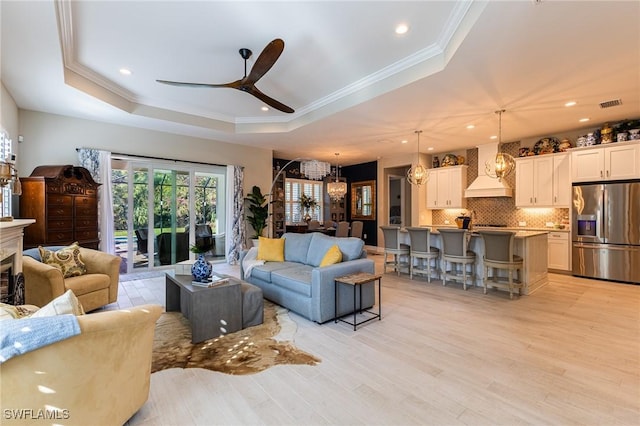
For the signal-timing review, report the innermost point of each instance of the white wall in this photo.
(53, 139)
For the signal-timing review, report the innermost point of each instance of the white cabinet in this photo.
(606, 162)
(534, 181)
(558, 251)
(561, 180)
(445, 189)
(543, 181)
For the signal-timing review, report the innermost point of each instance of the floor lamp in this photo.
(270, 193)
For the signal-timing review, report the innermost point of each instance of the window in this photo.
(5, 155)
(294, 188)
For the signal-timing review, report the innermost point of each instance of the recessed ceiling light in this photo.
(430, 148)
(471, 126)
(264, 108)
(125, 71)
(493, 137)
(570, 103)
(404, 141)
(402, 29)
(583, 120)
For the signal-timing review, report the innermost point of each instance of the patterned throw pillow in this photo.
(13, 312)
(67, 260)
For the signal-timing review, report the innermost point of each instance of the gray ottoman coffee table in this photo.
(212, 311)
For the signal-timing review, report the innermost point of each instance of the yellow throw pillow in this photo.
(68, 303)
(271, 249)
(332, 256)
(67, 259)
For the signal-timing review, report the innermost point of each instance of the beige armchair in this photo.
(100, 377)
(98, 287)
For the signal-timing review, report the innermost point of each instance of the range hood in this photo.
(486, 186)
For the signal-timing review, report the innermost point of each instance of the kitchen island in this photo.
(530, 245)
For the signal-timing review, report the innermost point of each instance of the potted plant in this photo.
(259, 208)
(307, 203)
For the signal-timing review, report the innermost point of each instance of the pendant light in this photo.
(503, 164)
(337, 189)
(418, 174)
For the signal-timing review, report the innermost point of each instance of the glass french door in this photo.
(162, 211)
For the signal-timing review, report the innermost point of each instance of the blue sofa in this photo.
(302, 286)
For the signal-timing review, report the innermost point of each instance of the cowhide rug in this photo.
(246, 351)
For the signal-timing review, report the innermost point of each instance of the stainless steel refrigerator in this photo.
(606, 231)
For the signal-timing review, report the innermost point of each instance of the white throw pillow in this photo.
(68, 303)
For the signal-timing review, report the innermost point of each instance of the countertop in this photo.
(520, 232)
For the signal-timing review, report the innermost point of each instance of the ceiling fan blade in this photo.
(265, 61)
(267, 100)
(233, 84)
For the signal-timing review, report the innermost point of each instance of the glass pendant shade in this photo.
(418, 174)
(504, 163)
(315, 170)
(337, 190)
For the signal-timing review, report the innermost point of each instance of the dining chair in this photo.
(313, 224)
(393, 246)
(356, 228)
(498, 254)
(422, 253)
(455, 252)
(343, 229)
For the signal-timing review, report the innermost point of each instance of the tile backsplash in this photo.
(500, 210)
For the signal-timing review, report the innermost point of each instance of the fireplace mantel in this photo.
(11, 234)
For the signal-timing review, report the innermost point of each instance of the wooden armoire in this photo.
(63, 201)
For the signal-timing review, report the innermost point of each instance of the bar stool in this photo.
(498, 254)
(421, 251)
(455, 252)
(393, 246)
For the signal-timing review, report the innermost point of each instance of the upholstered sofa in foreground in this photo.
(301, 285)
(98, 377)
(96, 288)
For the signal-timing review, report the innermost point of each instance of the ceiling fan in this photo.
(265, 61)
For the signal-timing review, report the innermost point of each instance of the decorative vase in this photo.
(307, 216)
(201, 269)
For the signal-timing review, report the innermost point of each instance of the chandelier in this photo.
(503, 164)
(337, 189)
(418, 174)
(314, 169)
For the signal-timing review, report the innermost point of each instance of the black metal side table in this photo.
(356, 281)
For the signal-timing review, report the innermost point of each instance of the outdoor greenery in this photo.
(259, 208)
(166, 196)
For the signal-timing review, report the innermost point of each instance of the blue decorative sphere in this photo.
(201, 269)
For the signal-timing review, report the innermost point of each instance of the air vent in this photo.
(609, 104)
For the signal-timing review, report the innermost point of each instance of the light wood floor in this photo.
(567, 354)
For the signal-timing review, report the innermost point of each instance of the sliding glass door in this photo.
(156, 207)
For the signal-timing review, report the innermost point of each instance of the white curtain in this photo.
(99, 165)
(235, 210)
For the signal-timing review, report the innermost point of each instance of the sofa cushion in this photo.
(68, 260)
(332, 256)
(296, 278)
(271, 249)
(14, 312)
(88, 283)
(350, 247)
(263, 272)
(296, 247)
(65, 304)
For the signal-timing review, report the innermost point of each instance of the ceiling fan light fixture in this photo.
(314, 169)
(337, 190)
(418, 174)
(503, 163)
